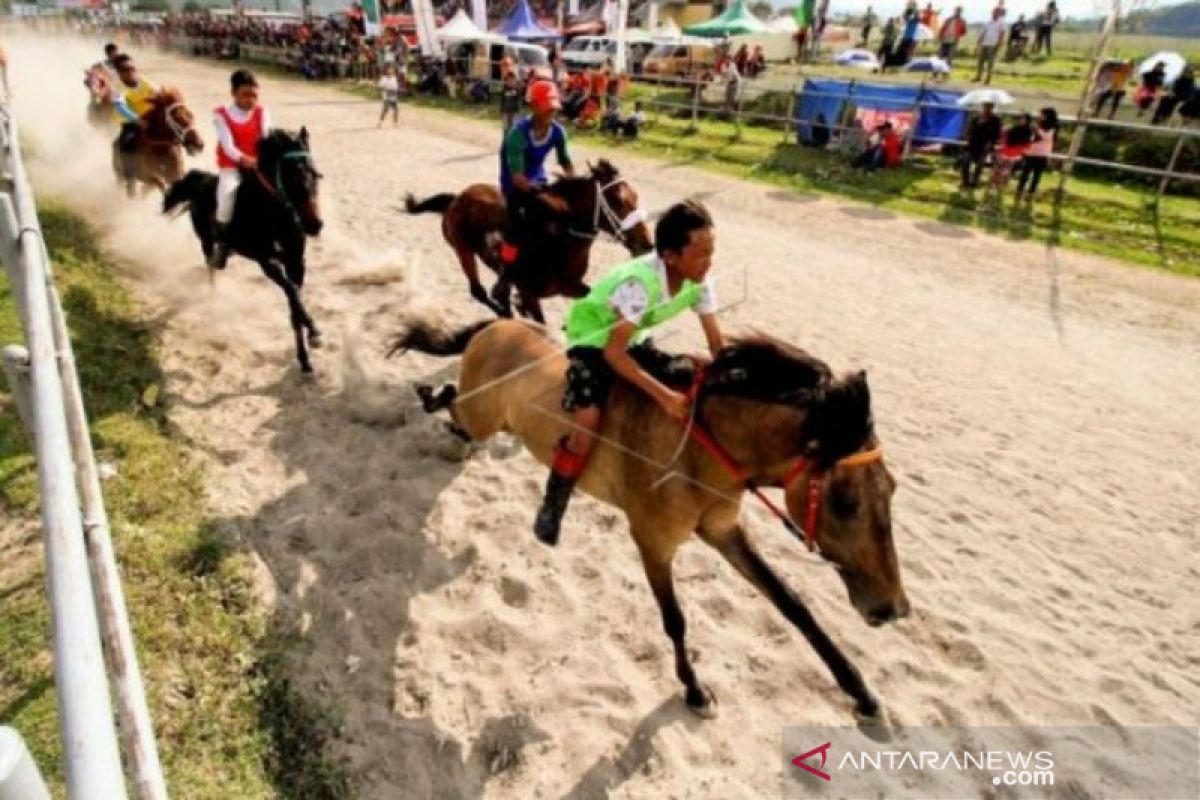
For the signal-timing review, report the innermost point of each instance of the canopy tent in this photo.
(735, 21)
(521, 24)
(461, 28)
(590, 21)
(940, 117)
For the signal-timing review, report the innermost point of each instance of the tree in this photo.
(762, 9)
(193, 7)
(150, 5)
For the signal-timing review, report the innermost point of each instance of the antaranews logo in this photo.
(823, 750)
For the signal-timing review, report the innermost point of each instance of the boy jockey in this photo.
(523, 159)
(134, 96)
(240, 125)
(606, 340)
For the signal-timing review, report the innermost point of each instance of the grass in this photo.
(229, 722)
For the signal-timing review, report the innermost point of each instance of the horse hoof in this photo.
(868, 712)
(314, 340)
(306, 369)
(702, 703)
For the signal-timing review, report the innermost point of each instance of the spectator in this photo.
(758, 62)
(389, 89)
(953, 29)
(868, 22)
(929, 17)
(732, 79)
(741, 58)
(1189, 109)
(1045, 29)
(853, 141)
(908, 40)
(885, 149)
(1017, 38)
(982, 136)
(990, 40)
(629, 127)
(1037, 157)
(1111, 84)
(1181, 90)
(1015, 141)
(1152, 84)
(819, 134)
(888, 45)
(510, 101)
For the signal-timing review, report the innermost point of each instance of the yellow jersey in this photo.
(132, 102)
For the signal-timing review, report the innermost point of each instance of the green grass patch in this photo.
(229, 722)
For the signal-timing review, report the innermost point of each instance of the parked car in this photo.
(686, 60)
(526, 59)
(593, 51)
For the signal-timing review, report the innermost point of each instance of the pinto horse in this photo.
(276, 208)
(156, 157)
(562, 222)
(779, 415)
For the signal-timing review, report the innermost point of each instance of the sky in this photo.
(977, 10)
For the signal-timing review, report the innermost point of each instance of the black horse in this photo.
(276, 208)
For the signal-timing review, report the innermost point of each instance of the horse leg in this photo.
(737, 550)
(501, 296)
(294, 267)
(295, 308)
(531, 307)
(658, 571)
(470, 268)
(580, 289)
(431, 402)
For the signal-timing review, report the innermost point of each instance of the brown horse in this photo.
(564, 220)
(156, 158)
(775, 409)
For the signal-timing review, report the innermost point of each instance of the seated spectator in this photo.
(819, 134)
(1014, 144)
(1181, 90)
(853, 141)
(629, 127)
(885, 150)
(1152, 84)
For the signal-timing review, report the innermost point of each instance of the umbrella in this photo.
(863, 59)
(933, 64)
(924, 34)
(1173, 62)
(977, 97)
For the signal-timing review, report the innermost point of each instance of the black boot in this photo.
(554, 505)
(220, 248)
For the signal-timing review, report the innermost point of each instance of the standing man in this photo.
(953, 29)
(983, 134)
(1045, 29)
(990, 40)
(868, 22)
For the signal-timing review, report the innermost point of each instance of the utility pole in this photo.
(1089, 87)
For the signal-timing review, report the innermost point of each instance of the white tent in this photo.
(668, 30)
(460, 28)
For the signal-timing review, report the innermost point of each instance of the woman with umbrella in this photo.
(1152, 83)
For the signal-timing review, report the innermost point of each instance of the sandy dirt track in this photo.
(1041, 412)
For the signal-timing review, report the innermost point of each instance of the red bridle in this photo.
(816, 477)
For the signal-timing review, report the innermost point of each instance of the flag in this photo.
(804, 13)
(427, 28)
(370, 14)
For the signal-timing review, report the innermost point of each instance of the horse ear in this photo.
(304, 135)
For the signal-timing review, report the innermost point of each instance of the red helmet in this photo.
(543, 95)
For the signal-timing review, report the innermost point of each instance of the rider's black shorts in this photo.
(590, 378)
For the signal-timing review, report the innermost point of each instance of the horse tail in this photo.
(432, 205)
(432, 340)
(184, 191)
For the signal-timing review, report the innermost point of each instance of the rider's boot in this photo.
(564, 473)
(220, 249)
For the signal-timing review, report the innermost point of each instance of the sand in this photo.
(1040, 410)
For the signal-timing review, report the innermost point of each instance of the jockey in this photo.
(133, 97)
(523, 158)
(607, 339)
(240, 126)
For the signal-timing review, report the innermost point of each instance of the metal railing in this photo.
(87, 602)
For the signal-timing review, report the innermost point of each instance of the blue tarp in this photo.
(521, 24)
(940, 118)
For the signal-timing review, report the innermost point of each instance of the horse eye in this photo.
(842, 502)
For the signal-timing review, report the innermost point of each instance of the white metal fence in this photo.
(87, 602)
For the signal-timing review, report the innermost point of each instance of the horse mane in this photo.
(167, 96)
(837, 412)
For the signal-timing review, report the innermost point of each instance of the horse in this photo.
(781, 418)
(563, 221)
(275, 209)
(155, 158)
(100, 95)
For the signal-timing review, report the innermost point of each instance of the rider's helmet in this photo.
(543, 95)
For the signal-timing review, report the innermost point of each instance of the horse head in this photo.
(170, 119)
(617, 211)
(287, 164)
(837, 486)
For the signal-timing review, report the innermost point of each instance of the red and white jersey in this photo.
(238, 133)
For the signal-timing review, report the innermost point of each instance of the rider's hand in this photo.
(248, 162)
(677, 406)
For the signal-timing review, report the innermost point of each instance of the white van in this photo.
(526, 59)
(594, 51)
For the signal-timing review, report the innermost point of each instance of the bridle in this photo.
(275, 189)
(618, 227)
(800, 467)
(178, 132)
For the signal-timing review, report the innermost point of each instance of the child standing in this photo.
(510, 101)
(389, 88)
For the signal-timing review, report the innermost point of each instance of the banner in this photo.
(479, 14)
(572, 7)
(370, 15)
(427, 28)
(619, 65)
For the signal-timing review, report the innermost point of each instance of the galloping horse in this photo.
(100, 95)
(564, 220)
(276, 208)
(778, 413)
(156, 159)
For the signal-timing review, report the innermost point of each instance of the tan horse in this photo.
(156, 159)
(775, 409)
